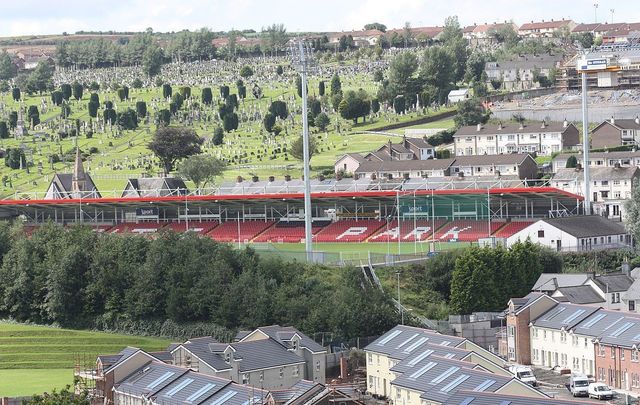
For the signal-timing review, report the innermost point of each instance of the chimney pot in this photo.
(637, 120)
(272, 179)
(239, 179)
(613, 120)
(255, 179)
(565, 123)
(478, 127)
(287, 177)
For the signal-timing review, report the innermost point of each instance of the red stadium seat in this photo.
(421, 230)
(349, 230)
(466, 230)
(201, 227)
(511, 228)
(228, 231)
(286, 232)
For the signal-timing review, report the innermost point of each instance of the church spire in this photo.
(79, 179)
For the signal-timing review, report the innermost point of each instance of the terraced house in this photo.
(414, 366)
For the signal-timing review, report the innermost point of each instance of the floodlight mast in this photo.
(303, 61)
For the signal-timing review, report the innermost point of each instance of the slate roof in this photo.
(290, 394)
(400, 165)
(403, 341)
(423, 355)
(122, 356)
(191, 387)
(491, 160)
(597, 173)
(598, 323)
(265, 353)
(208, 350)
(284, 334)
(64, 186)
(583, 294)
(512, 128)
(587, 226)
(613, 282)
(150, 378)
(625, 333)
(624, 123)
(464, 397)
(440, 378)
(603, 155)
(542, 25)
(552, 281)
(564, 316)
(154, 186)
(522, 303)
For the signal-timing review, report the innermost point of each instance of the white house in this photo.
(575, 233)
(456, 96)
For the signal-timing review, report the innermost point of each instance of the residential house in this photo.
(464, 397)
(581, 294)
(399, 169)
(616, 132)
(272, 357)
(515, 345)
(617, 357)
(574, 233)
(610, 186)
(518, 72)
(599, 159)
(521, 166)
(405, 346)
(543, 139)
(307, 392)
(548, 283)
(456, 96)
(78, 184)
(484, 34)
(546, 29)
(155, 187)
(360, 38)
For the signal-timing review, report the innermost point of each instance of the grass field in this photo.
(35, 359)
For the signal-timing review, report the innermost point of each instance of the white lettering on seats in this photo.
(454, 232)
(418, 232)
(391, 233)
(353, 231)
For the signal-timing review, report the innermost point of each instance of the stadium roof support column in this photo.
(585, 145)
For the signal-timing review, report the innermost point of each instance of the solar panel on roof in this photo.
(505, 402)
(453, 384)
(420, 357)
(200, 392)
(160, 379)
(467, 400)
(422, 370)
(178, 387)
(573, 316)
(407, 341)
(250, 401)
(614, 323)
(387, 339)
(445, 375)
(594, 320)
(415, 344)
(227, 396)
(445, 343)
(449, 356)
(556, 313)
(625, 327)
(484, 385)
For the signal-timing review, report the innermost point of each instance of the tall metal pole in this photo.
(585, 145)
(308, 237)
(399, 304)
(398, 202)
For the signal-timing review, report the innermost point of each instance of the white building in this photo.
(542, 139)
(576, 233)
(456, 96)
(598, 159)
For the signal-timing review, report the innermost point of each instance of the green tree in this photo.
(66, 91)
(77, 90)
(4, 131)
(399, 104)
(218, 136)
(354, 105)
(201, 169)
(152, 60)
(164, 117)
(572, 162)
(336, 84)
(13, 119)
(297, 148)
(269, 121)
(279, 70)
(230, 122)
(166, 91)
(185, 92)
(224, 92)
(178, 100)
(141, 109)
(471, 112)
(109, 116)
(56, 97)
(375, 26)
(471, 281)
(171, 144)
(207, 97)
(41, 79)
(65, 111)
(33, 115)
(66, 396)
(474, 68)
(14, 158)
(93, 108)
(137, 83)
(15, 93)
(321, 88)
(8, 69)
(456, 45)
(322, 121)
(436, 71)
(127, 119)
(279, 109)
(246, 71)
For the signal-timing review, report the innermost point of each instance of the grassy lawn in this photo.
(15, 383)
(45, 356)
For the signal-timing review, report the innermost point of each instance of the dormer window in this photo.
(227, 357)
(294, 343)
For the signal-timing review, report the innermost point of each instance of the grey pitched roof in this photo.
(150, 378)
(464, 397)
(598, 323)
(418, 143)
(598, 155)
(440, 378)
(424, 354)
(522, 303)
(400, 165)
(403, 341)
(597, 173)
(587, 226)
(564, 316)
(552, 281)
(625, 123)
(236, 394)
(491, 160)
(191, 388)
(164, 356)
(209, 351)
(613, 282)
(64, 185)
(626, 332)
(512, 128)
(284, 334)
(296, 392)
(583, 294)
(264, 353)
(122, 356)
(154, 186)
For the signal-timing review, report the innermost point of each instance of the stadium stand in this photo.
(139, 228)
(201, 227)
(287, 232)
(466, 230)
(510, 228)
(247, 230)
(349, 230)
(423, 230)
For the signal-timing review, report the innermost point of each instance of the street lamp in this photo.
(595, 12)
(399, 303)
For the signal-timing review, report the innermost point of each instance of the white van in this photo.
(579, 385)
(524, 374)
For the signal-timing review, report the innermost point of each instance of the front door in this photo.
(558, 245)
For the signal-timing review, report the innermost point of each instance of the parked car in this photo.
(600, 391)
(579, 385)
(524, 374)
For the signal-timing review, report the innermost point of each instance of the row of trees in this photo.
(78, 278)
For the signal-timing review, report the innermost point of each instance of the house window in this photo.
(541, 233)
(574, 340)
(600, 350)
(563, 337)
(227, 357)
(512, 353)
(535, 332)
(281, 372)
(245, 379)
(296, 370)
(295, 344)
(511, 330)
(634, 355)
(605, 182)
(613, 352)
(317, 365)
(632, 306)
(544, 334)
(621, 354)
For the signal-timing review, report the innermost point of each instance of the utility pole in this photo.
(585, 146)
(399, 304)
